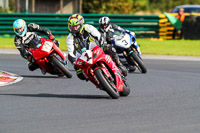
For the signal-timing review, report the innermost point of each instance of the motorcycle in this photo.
(124, 45)
(99, 68)
(49, 58)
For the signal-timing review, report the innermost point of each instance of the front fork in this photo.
(127, 54)
(129, 51)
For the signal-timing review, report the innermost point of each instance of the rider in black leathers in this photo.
(26, 37)
(107, 29)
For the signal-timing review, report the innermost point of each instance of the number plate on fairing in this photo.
(87, 56)
(47, 46)
(123, 41)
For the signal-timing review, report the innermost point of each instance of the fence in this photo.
(145, 26)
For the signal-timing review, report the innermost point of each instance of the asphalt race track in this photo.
(165, 100)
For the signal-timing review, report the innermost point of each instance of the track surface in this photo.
(165, 100)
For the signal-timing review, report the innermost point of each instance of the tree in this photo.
(132, 6)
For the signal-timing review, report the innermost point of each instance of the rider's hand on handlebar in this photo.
(56, 42)
(50, 36)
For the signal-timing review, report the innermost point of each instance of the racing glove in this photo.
(51, 36)
(56, 42)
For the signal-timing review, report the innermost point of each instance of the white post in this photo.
(6, 2)
(26, 6)
(61, 6)
(33, 6)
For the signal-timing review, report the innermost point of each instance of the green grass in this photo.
(170, 47)
(162, 47)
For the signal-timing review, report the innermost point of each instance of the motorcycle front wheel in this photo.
(107, 85)
(61, 67)
(138, 62)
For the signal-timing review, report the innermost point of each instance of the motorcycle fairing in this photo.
(84, 63)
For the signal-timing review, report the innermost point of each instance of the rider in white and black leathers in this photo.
(79, 32)
(107, 29)
(26, 37)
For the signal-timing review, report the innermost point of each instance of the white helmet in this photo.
(104, 23)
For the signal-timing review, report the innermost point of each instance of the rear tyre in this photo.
(61, 67)
(107, 85)
(126, 89)
(138, 62)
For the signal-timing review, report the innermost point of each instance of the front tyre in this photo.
(107, 85)
(61, 67)
(138, 62)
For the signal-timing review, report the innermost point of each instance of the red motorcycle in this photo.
(102, 71)
(50, 58)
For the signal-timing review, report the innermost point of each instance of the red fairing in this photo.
(58, 51)
(42, 52)
(108, 60)
(99, 57)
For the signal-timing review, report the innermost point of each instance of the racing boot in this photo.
(131, 68)
(79, 73)
(32, 66)
(122, 67)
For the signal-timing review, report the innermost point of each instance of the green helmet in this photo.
(75, 23)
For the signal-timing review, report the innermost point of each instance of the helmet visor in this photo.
(74, 27)
(104, 26)
(20, 30)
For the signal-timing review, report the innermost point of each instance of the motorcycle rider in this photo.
(107, 29)
(26, 36)
(79, 32)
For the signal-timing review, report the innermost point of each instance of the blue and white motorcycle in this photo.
(124, 44)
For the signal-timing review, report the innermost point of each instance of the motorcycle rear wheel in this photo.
(60, 66)
(109, 87)
(126, 89)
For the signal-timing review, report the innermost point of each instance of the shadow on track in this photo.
(135, 72)
(36, 76)
(75, 96)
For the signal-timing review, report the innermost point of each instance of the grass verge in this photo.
(158, 47)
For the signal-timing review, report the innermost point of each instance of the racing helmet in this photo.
(20, 27)
(104, 23)
(75, 23)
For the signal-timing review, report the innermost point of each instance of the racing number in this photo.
(125, 42)
(88, 58)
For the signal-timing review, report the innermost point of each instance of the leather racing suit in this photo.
(108, 35)
(28, 40)
(74, 42)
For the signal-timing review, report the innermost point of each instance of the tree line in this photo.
(133, 6)
(124, 6)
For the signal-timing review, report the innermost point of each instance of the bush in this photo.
(5, 10)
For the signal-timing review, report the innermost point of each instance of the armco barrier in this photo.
(145, 26)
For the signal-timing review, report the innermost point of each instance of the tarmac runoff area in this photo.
(7, 78)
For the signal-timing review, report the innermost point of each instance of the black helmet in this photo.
(104, 23)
